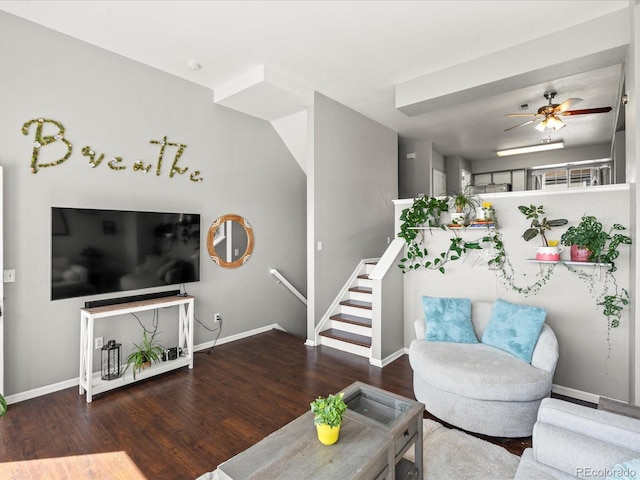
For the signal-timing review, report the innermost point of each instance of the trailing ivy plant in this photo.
(613, 306)
(603, 249)
(424, 215)
(501, 264)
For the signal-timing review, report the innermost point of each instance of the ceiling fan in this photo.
(549, 113)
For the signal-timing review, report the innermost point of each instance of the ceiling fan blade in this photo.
(520, 125)
(586, 111)
(566, 105)
(523, 115)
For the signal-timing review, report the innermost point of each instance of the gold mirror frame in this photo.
(217, 223)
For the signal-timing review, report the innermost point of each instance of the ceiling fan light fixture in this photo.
(530, 149)
(541, 127)
(555, 123)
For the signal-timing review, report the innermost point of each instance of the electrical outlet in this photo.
(216, 318)
(9, 276)
(99, 341)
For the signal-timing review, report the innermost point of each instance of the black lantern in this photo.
(111, 360)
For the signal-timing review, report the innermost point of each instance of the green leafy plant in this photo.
(328, 410)
(3, 405)
(602, 245)
(424, 213)
(613, 306)
(150, 350)
(539, 226)
(465, 201)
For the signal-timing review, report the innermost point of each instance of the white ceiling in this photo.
(354, 52)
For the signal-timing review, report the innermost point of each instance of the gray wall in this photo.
(586, 364)
(454, 166)
(414, 174)
(117, 106)
(354, 181)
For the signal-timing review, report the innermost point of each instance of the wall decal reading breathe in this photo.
(59, 150)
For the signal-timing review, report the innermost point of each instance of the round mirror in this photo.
(230, 241)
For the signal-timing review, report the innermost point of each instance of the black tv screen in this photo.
(106, 251)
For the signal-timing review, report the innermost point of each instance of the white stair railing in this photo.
(286, 283)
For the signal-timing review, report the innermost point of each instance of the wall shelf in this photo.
(568, 262)
(455, 229)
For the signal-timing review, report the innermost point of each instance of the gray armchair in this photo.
(572, 441)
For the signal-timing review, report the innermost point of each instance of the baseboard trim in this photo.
(387, 360)
(40, 391)
(577, 394)
(74, 382)
(238, 336)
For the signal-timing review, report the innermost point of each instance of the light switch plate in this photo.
(9, 276)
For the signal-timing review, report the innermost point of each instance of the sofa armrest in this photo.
(545, 354)
(579, 440)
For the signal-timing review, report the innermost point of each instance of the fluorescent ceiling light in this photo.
(571, 164)
(530, 149)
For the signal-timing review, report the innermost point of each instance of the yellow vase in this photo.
(328, 435)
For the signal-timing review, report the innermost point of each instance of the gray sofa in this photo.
(480, 388)
(572, 441)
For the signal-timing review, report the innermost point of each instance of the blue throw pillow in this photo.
(514, 328)
(448, 320)
(625, 471)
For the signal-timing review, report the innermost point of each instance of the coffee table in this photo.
(377, 429)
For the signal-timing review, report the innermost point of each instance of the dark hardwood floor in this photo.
(184, 423)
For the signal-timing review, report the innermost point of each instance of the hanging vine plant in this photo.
(424, 215)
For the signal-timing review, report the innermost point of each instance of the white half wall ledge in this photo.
(265, 93)
(604, 42)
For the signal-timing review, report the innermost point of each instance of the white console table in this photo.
(92, 383)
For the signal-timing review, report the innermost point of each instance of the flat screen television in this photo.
(106, 251)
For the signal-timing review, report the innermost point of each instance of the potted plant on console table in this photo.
(327, 417)
(145, 353)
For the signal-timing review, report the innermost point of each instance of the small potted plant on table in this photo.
(327, 417)
(145, 353)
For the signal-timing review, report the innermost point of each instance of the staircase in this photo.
(348, 327)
